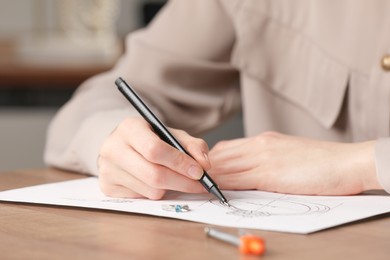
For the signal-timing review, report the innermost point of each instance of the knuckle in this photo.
(197, 145)
(129, 124)
(202, 144)
(110, 145)
(181, 161)
(156, 194)
(106, 150)
(151, 151)
(221, 144)
(106, 188)
(124, 126)
(271, 134)
(102, 168)
(267, 138)
(109, 152)
(155, 177)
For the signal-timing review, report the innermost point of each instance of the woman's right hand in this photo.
(134, 162)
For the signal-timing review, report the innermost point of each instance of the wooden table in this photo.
(52, 232)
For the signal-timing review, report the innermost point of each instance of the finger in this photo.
(231, 166)
(227, 144)
(123, 183)
(237, 181)
(118, 191)
(115, 182)
(115, 154)
(228, 159)
(153, 175)
(232, 151)
(196, 147)
(155, 150)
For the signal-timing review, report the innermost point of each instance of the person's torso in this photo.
(313, 68)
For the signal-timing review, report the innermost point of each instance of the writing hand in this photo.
(134, 162)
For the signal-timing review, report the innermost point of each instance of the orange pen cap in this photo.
(250, 244)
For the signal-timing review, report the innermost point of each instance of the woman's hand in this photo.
(134, 162)
(288, 164)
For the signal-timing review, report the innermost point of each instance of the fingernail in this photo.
(195, 172)
(206, 156)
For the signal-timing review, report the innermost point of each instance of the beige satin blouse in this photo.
(319, 69)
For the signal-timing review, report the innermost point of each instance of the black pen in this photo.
(164, 134)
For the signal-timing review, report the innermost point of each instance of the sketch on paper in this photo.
(270, 206)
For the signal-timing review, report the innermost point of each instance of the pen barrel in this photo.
(231, 239)
(160, 129)
(164, 134)
(207, 182)
(158, 126)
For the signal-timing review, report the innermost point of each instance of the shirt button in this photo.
(386, 62)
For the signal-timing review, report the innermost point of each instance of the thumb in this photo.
(196, 147)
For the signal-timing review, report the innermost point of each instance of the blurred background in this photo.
(47, 48)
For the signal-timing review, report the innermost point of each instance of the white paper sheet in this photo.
(251, 209)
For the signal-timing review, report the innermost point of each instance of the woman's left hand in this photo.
(288, 164)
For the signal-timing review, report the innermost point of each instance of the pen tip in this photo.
(226, 203)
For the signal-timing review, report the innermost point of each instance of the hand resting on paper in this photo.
(275, 162)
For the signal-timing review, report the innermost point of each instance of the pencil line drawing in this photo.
(272, 206)
(107, 200)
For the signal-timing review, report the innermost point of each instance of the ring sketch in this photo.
(271, 206)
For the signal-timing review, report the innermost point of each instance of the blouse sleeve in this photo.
(179, 64)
